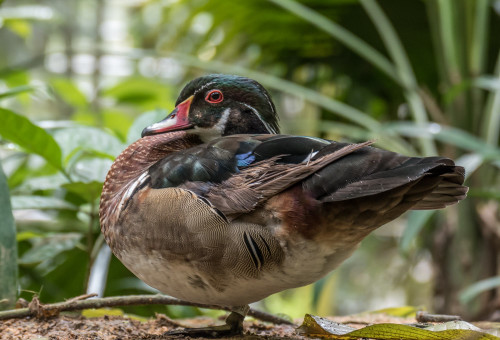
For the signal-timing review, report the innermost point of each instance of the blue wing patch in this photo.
(245, 159)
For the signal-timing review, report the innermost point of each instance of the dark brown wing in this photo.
(237, 173)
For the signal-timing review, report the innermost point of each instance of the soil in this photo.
(119, 327)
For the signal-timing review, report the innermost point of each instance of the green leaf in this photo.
(479, 287)
(146, 119)
(459, 138)
(8, 247)
(16, 90)
(21, 131)
(491, 120)
(316, 326)
(69, 92)
(489, 194)
(147, 93)
(40, 202)
(117, 121)
(487, 82)
(88, 191)
(355, 133)
(100, 312)
(19, 26)
(416, 222)
(91, 169)
(402, 312)
(87, 138)
(46, 251)
(353, 42)
(51, 182)
(471, 162)
(27, 235)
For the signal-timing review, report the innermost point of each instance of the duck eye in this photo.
(214, 96)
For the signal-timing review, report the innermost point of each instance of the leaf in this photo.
(471, 162)
(69, 92)
(16, 90)
(8, 246)
(21, 131)
(40, 202)
(146, 119)
(487, 82)
(19, 26)
(48, 247)
(358, 45)
(91, 170)
(403, 312)
(416, 222)
(315, 326)
(89, 191)
(479, 287)
(117, 121)
(458, 137)
(44, 183)
(489, 194)
(143, 92)
(27, 235)
(87, 138)
(100, 312)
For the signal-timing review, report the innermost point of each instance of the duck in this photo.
(212, 205)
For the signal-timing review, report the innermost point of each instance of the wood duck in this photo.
(211, 205)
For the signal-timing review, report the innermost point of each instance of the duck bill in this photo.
(178, 119)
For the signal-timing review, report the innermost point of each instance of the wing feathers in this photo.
(258, 182)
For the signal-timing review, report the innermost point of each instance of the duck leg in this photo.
(233, 326)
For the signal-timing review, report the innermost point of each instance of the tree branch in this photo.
(39, 310)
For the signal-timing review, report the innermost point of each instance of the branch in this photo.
(39, 310)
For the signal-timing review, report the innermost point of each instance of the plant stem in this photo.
(39, 310)
(491, 125)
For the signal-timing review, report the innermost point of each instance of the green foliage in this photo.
(69, 92)
(30, 137)
(8, 247)
(15, 91)
(144, 93)
(479, 287)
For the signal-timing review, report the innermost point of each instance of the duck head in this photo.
(219, 105)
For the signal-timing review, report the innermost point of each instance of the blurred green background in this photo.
(80, 79)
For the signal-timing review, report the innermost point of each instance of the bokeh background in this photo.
(80, 79)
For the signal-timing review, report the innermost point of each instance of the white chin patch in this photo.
(208, 134)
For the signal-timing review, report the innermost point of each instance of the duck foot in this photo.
(233, 326)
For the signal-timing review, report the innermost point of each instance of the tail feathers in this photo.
(432, 183)
(448, 192)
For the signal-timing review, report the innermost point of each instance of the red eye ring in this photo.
(214, 97)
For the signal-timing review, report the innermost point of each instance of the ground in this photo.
(124, 328)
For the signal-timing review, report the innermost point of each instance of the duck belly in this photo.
(191, 252)
(231, 280)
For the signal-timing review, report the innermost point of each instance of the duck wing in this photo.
(237, 173)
